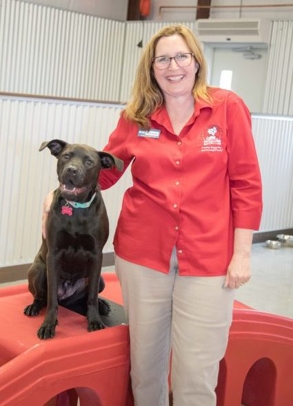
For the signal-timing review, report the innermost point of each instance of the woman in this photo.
(184, 234)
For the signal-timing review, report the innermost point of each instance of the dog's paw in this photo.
(104, 307)
(95, 325)
(46, 331)
(32, 309)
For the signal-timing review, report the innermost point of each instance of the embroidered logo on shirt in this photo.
(212, 140)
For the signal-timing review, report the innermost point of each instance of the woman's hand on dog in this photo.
(46, 208)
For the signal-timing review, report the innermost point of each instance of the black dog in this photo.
(68, 264)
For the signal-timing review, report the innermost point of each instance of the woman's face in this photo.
(174, 80)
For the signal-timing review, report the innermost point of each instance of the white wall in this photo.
(26, 175)
(89, 57)
(51, 52)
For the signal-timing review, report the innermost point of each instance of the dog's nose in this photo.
(72, 170)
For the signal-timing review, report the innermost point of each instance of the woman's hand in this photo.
(238, 271)
(46, 208)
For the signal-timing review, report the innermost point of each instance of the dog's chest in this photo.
(75, 254)
(75, 241)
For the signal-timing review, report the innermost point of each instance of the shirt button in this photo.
(176, 228)
(179, 143)
(175, 205)
(180, 251)
(177, 162)
(177, 183)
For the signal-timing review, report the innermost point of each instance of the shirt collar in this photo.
(161, 116)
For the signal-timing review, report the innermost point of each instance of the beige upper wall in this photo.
(117, 9)
(113, 9)
(189, 13)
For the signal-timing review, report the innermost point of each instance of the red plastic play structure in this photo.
(94, 367)
(33, 372)
(257, 368)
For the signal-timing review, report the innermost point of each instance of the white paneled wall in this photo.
(279, 87)
(53, 52)
(27, 175)
(47, 51)
(274, 142)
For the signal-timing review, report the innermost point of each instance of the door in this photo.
(248, 75)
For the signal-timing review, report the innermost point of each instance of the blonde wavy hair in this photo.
(146, 95)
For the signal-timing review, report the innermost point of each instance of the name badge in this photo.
(152, 133)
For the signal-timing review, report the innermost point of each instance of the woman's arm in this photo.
(245, 190)
(239, 271)
(119, 144)
(46, 208)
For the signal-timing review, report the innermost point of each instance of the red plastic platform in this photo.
(94, 367)
(34, 371)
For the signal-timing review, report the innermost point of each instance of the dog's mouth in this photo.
(69, 189)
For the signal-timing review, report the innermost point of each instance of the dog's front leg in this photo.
(47, 329)
(93, 315)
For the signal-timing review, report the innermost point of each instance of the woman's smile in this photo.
(174, 78)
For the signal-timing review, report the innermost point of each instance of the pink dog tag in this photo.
(66, 210)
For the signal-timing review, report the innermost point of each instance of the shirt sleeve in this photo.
(117, 145)
(243, 167)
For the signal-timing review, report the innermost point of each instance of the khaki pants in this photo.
(191, 315)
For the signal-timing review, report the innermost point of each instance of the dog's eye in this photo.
(89, 162)
(66, 156)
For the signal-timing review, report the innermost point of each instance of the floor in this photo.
(271, 286)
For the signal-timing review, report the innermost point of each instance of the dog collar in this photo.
(85, 205)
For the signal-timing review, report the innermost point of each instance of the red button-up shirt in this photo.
(189, 191)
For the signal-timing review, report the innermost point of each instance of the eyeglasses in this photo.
(182, 60)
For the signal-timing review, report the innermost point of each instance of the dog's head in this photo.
(78, 167)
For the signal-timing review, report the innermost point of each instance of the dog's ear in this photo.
(55, 146)
(109, 160)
